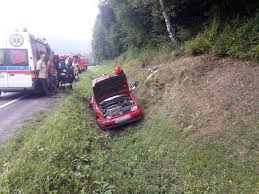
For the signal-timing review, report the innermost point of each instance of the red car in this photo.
(113, 102)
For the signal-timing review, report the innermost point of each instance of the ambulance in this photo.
(19, 53)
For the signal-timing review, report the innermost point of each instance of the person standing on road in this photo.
(56, 61)
(62, 73)
(52, 74)
(43, 74)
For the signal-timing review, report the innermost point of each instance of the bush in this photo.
(163, 53)
(202, 43)
(146, 57)
(185, 34)
(238, 38)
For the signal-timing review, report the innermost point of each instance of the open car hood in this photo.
(110, 86)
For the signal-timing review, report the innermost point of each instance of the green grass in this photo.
(63, 151)
(157, 157)
(56, 151)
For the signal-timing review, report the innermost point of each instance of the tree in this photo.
(136, 24)
(169, 26)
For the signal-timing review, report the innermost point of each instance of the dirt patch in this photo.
(204, 93)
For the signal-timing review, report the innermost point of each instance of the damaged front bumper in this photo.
(119, 121)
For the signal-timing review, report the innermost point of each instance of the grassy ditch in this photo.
(56, 151)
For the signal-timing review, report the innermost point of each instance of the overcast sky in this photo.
(66, 24)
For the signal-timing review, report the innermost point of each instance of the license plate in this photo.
(122, 119)
(2, 76)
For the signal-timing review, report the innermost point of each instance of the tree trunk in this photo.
(169, 26)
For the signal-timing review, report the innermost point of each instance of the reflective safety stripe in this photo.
(14, 68)
(19, 72)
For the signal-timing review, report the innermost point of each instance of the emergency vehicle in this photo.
(83, 63)
(19, 53)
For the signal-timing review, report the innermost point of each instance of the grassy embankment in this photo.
(200, 132)
(55, 151)
(190, 141)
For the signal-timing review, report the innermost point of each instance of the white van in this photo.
(19, 53)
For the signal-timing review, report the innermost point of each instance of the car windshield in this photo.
(14, 57)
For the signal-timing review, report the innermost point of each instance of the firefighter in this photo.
(76, 68)
(62, 73)
(70, 74)
(118, 70)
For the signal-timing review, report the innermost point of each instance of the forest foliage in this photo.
(221, 27)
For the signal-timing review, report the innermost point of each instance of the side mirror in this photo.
(134, 86)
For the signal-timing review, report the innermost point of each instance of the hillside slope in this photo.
(214, 91)
(200, 131)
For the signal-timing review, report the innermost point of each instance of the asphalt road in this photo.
(15, 108)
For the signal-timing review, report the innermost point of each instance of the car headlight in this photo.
(134, 108)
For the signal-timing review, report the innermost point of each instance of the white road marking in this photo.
(11, 102)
